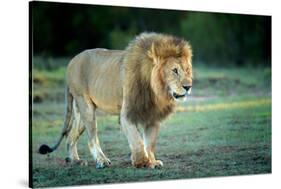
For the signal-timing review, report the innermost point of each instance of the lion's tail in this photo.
(45, 149)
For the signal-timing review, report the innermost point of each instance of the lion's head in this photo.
(172, 74)
(158, 71)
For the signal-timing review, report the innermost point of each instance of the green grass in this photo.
(223, 129)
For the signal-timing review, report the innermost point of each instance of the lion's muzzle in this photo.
(187, 88)
(182, 96)
(175, 95)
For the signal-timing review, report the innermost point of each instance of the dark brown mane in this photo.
(142, 104)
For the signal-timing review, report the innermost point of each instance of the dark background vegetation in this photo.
(66, 29)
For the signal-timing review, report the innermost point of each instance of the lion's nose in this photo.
(187, 87)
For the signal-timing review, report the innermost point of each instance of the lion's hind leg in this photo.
(77, 129)
(88, 115)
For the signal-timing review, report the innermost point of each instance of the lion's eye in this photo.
(175, 70)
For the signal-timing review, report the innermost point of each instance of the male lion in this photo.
(141, 84)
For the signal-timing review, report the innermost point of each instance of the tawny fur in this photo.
(137, 83)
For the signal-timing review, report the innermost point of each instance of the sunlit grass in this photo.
(226, 105)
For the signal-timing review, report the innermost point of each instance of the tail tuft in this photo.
(45, 149)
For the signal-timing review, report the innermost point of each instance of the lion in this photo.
(141, 84)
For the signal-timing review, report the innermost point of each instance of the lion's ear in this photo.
(152, 54)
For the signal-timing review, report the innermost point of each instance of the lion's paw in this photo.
(142, 164)
(140, 160)
(157, 164)
(100, 164)
(81, 162)
(76, 161)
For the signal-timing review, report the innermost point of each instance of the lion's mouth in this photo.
(176, 96)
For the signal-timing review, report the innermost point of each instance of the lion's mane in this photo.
(143, 105)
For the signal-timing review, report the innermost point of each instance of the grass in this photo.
(223, 129)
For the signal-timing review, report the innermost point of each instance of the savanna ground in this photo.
(223, 129)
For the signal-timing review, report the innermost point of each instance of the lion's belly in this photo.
(109, 105)
(106, 93)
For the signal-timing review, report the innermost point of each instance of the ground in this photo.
(223, 129)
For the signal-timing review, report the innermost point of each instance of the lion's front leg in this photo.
(139, 155)
(150, 135)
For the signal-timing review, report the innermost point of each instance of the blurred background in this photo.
(228, 39)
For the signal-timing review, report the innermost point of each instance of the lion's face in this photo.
(176, 77)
